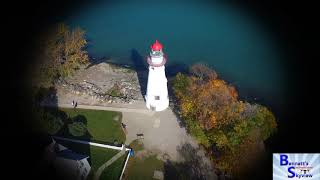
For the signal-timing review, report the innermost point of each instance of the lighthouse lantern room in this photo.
(157, 91)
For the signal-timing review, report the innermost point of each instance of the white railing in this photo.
(92, 143)
(125, 165)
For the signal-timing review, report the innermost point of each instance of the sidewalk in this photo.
(135, 108)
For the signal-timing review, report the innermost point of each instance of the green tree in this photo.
(265, 121)
(180, 85)
(197, 132)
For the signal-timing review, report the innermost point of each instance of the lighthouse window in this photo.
(157, 97)
(157, 53)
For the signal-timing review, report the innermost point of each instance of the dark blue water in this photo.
(235, 44)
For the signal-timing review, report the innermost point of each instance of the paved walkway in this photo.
(161, 130)
(107, 108)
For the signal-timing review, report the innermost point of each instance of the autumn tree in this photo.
(213, 102)
(60, 53)
(74, 55)
(215, 116)
(243, 158)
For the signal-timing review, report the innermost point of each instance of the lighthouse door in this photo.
(153, 108)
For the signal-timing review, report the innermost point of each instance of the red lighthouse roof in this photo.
(156, 46)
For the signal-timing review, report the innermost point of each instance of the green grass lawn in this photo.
(142, 168)
(114, 170)
(101, 126)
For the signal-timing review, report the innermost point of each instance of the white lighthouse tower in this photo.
(157, 91)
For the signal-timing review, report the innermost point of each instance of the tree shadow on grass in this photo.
(80, 118)
(193, 167)
(65, 130)
(45, 107)
(79, 148)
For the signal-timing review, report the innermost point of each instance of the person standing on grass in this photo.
(72, 103)
(76, 105)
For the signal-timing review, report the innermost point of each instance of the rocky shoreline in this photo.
(90, 89)
(103, 82)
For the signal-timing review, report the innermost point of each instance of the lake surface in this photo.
(241, 50)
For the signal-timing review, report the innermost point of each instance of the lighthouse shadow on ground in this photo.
(140, 67)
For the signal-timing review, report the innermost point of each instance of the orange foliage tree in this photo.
(215, 117)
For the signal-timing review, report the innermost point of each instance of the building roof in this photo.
(156, 46)
(68, 154)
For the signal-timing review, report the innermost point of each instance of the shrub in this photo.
(115, 90)
(137, 145)
(180, 84)
(202, 72)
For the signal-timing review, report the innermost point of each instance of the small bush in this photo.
(77, 129)
(114, 91)
(137, 145)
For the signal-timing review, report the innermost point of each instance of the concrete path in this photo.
(161, 131)
(118, 107)
(107, 108)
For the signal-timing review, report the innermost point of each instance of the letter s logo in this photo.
(291, 172)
